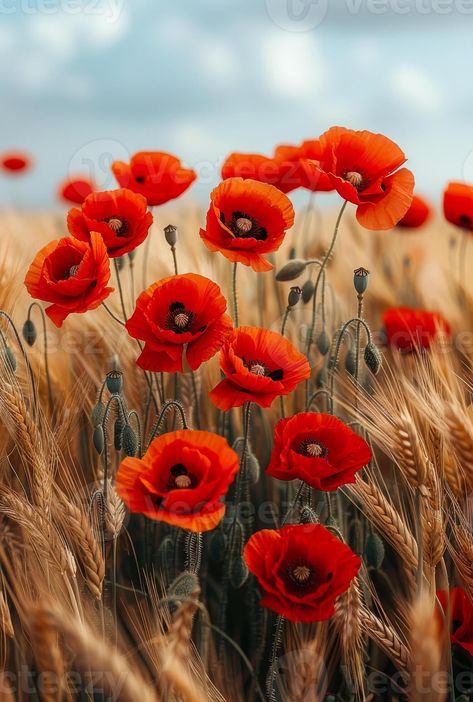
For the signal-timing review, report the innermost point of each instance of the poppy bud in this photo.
(373, 358)
(309, 516)
(29, 332)
(184, 586)
(117, 433)
(218, 546)
(238, 573)
(129, 441)
(350, 362)
(9, 358)
(323, 342)
(291, 270)
(114, 381)
(308, 290)
(131, 255)
(292, 252)
(252, 468)
(98, 439)
(120, 262)
(294, 296)
(321, 378)
(360, 280)
(98, 413)
(374, 550)
(170, 232)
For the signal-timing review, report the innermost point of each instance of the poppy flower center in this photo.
(299, 576)
(71, 272)
(465, 221)
(355, 178)
(260, 368)
(179, 478)
(244, 226)
(140, 179)
(119, 226)
(179, 319)
(312, 449)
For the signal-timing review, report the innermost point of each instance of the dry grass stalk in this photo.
(428, 680)
(6, 624)
(305, 669)
(85, 545)
(386, 638)
(462, 555)
(48, 656)
(114, 513)
(461, 439)
(347, 624)
(6, 692)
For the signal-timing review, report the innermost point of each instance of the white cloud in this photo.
(293, 65)
(419, 89)
(218, 60)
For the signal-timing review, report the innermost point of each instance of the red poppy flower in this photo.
(15, 162)
(281, 172)
(302, 569)
(417, 214)
(461, 615)
(307, 156)
(156, 175)
(120, 216)
(259, 365)
(247, 219)
(183, 314)
(71, 274)
(458, 205)
(318, 449)
(364, 168)
(75, 190)
(180, 480)
(411, 330)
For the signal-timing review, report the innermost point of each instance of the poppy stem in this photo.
(174, 259)
(112, 315)
(234, 295)
(45, 351)
(195, 394)
(272, 675)
(25, 356)
(120, 289)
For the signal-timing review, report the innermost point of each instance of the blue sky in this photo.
(86, 81)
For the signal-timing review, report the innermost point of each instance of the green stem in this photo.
(196, 400)
(45, 346)
(112, 315)
(120, 289)
(234, 295)
(174, 259)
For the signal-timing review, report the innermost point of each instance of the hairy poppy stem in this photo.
(234, 295)
(45, 351)
(174, 259)
(272, 675)
(120, 289)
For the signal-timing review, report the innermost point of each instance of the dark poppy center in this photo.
(355, 178)
(140, 179)
(465, 221)
(312, 449)
(179, 319)
(244, 226)
(71, 272)
(299, 577)
(118, 225)
(180, 478)
(260, 368)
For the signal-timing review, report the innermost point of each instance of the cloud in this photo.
(293, 65)
(416, 87)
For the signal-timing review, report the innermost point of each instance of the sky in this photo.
(85, 82)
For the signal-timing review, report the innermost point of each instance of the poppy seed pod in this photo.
(360, 280)
(308, 290)
(372, 358)
(117, 433)
(291, 270)
(350, 362)
(29, 332)
(374, 550)
(308, 516)
(184, 586)
(98, 439)
(170, 232)
(9, 359)
(129, 441)
(120, 262)
(114, 381)
(323, 342)
(98, 413)
(238, 573)
(294, 296)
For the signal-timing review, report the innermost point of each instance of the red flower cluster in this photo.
(120, 216)
(461, 616)
(180, 480)
(302, 570)
(259, 365)
(71, 274)
(318, 449)
(180, 315)
(280, 170)
(413, 330)
(156, 175)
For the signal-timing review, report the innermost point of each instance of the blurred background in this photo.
(85, 82)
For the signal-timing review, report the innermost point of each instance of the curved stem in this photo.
(24, 354)
(112, 315)
(120, 289)
(159, 420)
(333, 359)
(45, 347)
(235, 295)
